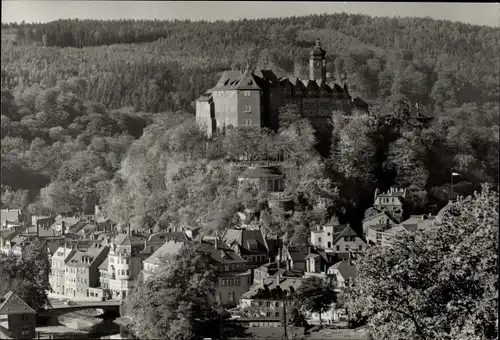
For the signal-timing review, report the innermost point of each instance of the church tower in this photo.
(317, 63)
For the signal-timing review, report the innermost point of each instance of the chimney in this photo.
(278, 279)
(63, 228)
(350, 258)
(216, 237)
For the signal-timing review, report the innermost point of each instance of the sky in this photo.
(44, 11)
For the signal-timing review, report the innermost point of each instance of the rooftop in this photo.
(347, 269)
(12, 304)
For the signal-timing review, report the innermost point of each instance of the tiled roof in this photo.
(19, 240)
(223, 254)
(169, 248)
(244, 238)
(346, 269)
(12, 304)
(347, 231)
(8, 234)
(206, 97)
(104, 264)
(298, 254)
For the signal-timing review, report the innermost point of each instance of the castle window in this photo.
(246, 93)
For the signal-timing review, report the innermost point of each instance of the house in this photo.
(337, 238)
(273, 269)
(318, 261)
(82, 270)
(391, 202)
(294, 257)
(269, 298)
(6, 236)
(58, 268)
(233, 275)
(124, 263)
(343, 272)
(153, 262)
(14, 243)
(249, 243)
(377, 218)
(383, 234)
(11, 218)
(17, 319)
(62, 224)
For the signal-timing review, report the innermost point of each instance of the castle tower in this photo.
(317, 63)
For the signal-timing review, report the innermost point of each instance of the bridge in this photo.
(59, 308)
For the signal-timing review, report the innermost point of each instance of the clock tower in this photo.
(317, 63)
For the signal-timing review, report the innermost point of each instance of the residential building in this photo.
(124, 265)
(11, 218)
(254, 97)
(153, 262)
(337, 238)
(391, 202)
(58, 269)
(273, 269)
(6, 237)
(14, 244)
(17, 318)
(294, 257)
(269, 298)
(343, 272)
(82, 270)
(249, 243)
(384, 235)
(377, 219)
(233, 275)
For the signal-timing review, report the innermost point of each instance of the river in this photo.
(79, 325)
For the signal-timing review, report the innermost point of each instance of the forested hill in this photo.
(77, 94)
(160, 65)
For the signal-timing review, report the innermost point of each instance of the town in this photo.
(170, 180)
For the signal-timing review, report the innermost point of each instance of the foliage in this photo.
(316, 295)
(27, 275)
(440, 283)
(176, 303)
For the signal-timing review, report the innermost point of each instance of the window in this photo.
(248, 122)
(231, 282)
(238, 281)
(247, 108)
(346, 238)
(226, 268)
(360, 247)
(246, 93)
(319, 239)
(224, 282)
(277, 304)
(277, 314)
(111, 260)
(268, 314)
(152, 249)
(347, 247)
(268, 304)
(328, 234)
(329, 244)
(260, 303)
(338, 248)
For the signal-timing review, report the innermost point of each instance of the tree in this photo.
(177, 303)
(27, 275)
(440, 283)
(316, 295)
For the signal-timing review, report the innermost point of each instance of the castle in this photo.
(254, 97)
